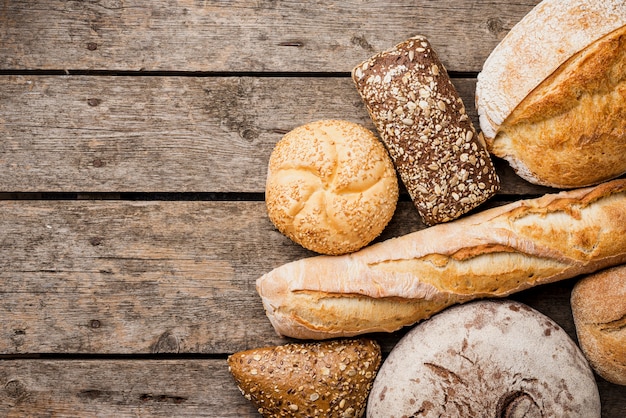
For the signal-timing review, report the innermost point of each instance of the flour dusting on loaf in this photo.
(550, 97)
(421, 119)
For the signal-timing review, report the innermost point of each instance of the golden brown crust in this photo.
(599, 311)
(571, 130)
(550, 34)
(489, 254)
(331, 186)
(324, 379)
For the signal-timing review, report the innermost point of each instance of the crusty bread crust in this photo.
(551, 97)
(331, 186)
(485, 359)
(333, 378)
(490, 254)
(599, 311)
(535, 47)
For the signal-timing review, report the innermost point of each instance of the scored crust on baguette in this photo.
(489, 254)
(551, 97)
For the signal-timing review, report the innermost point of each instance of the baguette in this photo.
(494, 253)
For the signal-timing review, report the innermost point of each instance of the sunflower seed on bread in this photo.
(318, 379)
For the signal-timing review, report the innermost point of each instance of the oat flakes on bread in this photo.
(492, 253)
(485, 359)
(551, 97)
(421, 118)
(320, 379)
(599, 310)
(331, 186)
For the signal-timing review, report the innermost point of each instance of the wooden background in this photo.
(134, 139)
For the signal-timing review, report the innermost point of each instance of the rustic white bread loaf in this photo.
(599, 311)
(485, 359)
(551, 97)
(496, 252)
(421, 118)
(331, 186)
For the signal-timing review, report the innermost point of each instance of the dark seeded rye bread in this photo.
(421, 119)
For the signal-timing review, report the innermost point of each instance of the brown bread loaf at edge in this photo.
(599, 311)
(313, 379)
(421, 118)
(490, 254)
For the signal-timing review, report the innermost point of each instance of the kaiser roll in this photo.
(331, 186)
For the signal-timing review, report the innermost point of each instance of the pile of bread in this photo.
(550, 101)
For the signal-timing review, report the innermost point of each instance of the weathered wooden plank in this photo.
(139, 277)
(150, 388)
(111, 277)
(238, 35)
(167, 134)
(120, 388)
(153, 277)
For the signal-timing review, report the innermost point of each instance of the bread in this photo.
(492, 253)
(485, 359)
(551, 96)
(331, 186)
(421, 118)
(323, 379)
(599, 310)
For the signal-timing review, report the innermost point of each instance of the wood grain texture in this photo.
(140, 277)
(156, 277)
(168, 134)
(239, 35)
(149, 388)
(114, 277)
(120, 388)
(127, 309)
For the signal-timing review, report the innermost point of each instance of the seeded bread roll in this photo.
(599, 310)
(331, 186)
(485, 359)
(421, 119)
(325, 379)
(492, 253)
(550, 97)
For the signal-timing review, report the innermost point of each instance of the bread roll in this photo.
(599, 310)
(421, 118)
(551, 97)
(323, 379)
(485, 359)
(493, 253)
(331, 186)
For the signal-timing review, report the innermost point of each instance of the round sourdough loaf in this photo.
(551, 97)
(331, 186)
(599, 310)
(485, 359)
